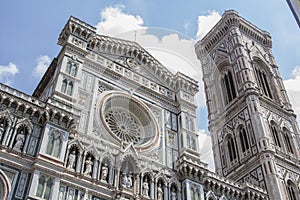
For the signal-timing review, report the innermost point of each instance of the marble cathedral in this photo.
(108, 121)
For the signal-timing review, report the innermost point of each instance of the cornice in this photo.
(229, 20)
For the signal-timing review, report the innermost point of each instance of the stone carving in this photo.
(160, 193)
(19, 141)
(72, 159)
(123, 125)
(104, 172)
(146, 188)
(127, 180)
(173, 194)
(88, 166)
(124, 180)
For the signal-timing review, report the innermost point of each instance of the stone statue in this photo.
(124, 180)
(88, 166)
(104, 172)
(129, 181)
(19, 141)
(72, 159)
(146, 188)
(173, 194)
(160, 193)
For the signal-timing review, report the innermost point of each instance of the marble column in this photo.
(152, 189)
(83, 163)
(95, 166)
(79, 162)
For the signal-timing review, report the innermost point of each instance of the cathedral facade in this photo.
(109, 121)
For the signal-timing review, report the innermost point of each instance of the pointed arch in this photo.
(292, 190)
(288, 140)
(275, 133)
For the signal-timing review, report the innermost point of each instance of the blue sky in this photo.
(29, 31)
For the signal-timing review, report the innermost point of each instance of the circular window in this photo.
(128, 120)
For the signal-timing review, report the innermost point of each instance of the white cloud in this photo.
(174, 50)
(206, 22)
(42, 63)
(293, 90)
(7, 72)
(115, 21)
(205, 146)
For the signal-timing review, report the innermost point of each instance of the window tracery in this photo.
(44, 187)
(275, 134)
(67, 87)
(54, 144)
(228, 87)
(231, 149)
(263, 80)
(292, 190)
(71, 68)
(288, 140)
(244, 139)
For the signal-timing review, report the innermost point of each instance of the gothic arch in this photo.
(231, 148)
(228, 87)
(275, 132)
(5, 186)
(210, 196)
(242, 133)
(264, 78)
(292, 190)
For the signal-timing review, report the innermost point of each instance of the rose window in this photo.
(128, 120)
(124, 125)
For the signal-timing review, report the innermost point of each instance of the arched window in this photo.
(67, 87)
(74, 69)
(70, 88)
(231, 149)
(68, 67)
(54, 144)
(244, 139)
(228, 87)
(275, 135)
(292, 190)
(64, 86)
(288, 140)
(263, 81)
(44, 187)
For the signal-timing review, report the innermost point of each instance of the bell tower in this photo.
(253, 127)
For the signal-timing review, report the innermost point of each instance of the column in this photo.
(166, 189)
(95, 166)
(152, 189)
(111, 173)
(99, 171)
(35, 182)
(82, 163)
(12, 138)
(26, 142)
(79, 161)
(67, 156)
(55, 189)
(117, 178)
(5, 135)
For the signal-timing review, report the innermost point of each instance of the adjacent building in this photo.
(109, 121)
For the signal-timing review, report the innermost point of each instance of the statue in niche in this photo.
(124, 180)
(160, 192)
(72, 159)
(88, 166)
(146, 188)
(129, 181)
(104, 172)
(19, 141)
(173, 194)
